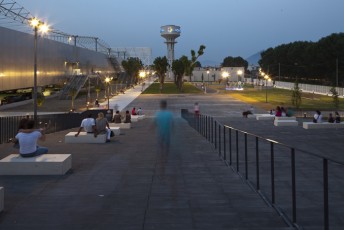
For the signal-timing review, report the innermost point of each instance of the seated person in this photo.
(27, 139)
(278, 112)
(330, 118)
(117, 118)
(337, 117)
(102, 126)
(88, 124)
(133, 111)
(139, 111)
(127, 117)
(317, 117)
(108, 116)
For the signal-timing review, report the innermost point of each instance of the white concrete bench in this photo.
(285, 118)
(84, 138)
(46, 164)
(121, 125)
(264, 116)
(286, 123)
(115, 130)
(322, 125)
(134, 118)
(1, 199)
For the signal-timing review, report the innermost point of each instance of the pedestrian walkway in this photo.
(124, 185)
(120, 101)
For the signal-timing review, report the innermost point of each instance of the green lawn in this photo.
(171, 88)
(282, 97)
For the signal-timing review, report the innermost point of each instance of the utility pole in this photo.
(337, 72)
(279, 71)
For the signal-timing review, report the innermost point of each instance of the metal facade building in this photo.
(56, 60)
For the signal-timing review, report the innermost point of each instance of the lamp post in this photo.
(36, 25)
(107, 80)
(207, 82)
(267, 78)
(225, 75)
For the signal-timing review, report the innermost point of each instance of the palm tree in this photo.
(132, 66)
(160, 66)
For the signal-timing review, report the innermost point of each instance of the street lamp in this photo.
(107, 80)
(225, 75)
(239, 72)
(267, 78)
(43, 28)
(207, 82)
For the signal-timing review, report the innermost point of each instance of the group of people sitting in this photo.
(280, 111)
(95, 126)
(136, 112)
(317, 118)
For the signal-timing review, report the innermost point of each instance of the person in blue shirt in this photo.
(164, 125)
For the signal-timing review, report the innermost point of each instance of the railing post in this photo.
(272, 172)
(257, 164)
(219, 140)
(325, 178)
(230, 146)
(215, 126)
(293, 183)
(224, 143)
(237, 149)
(206, 128)
(212, 130)
(246, 166)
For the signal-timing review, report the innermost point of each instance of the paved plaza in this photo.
(125, 184)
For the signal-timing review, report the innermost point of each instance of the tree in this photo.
(178, 69)
(40, 99)
(235, 62)
(160, 66)
(189, 65)
(335, 97)
(132, 66)
(296, 95)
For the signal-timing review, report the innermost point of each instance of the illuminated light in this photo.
(239, 72)
(225, 74)
(107, 80)
(2, 75)
(142, 74)
(34, 22)
(44, 28)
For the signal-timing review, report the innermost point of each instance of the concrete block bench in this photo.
(285, 118)
(1, 199)
(134, 118)
(286, 123)
(46, 164)
(322, 125)
(84, 138)
(121, 125)
(264, 116)
(115, 130)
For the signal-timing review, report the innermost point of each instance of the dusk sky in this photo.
(225, 27)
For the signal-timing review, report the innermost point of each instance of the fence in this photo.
(304, 188)
(316, 89)
(52, 123)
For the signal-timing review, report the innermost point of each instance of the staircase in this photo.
(76, 83)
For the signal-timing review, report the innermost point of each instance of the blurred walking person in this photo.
(164, 126)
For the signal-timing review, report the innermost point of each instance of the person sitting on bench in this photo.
(27, 139)
(88, 124)
(117, 118)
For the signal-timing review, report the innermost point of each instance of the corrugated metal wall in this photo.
(53, 64)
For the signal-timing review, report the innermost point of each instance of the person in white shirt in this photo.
(28, 137)
(88, 124)
(317, 117)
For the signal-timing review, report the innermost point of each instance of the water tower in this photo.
(170, 33)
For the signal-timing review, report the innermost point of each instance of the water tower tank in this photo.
(170, 33)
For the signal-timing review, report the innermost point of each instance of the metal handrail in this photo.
(216, 127)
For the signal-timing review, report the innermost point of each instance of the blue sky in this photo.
(225, 27)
